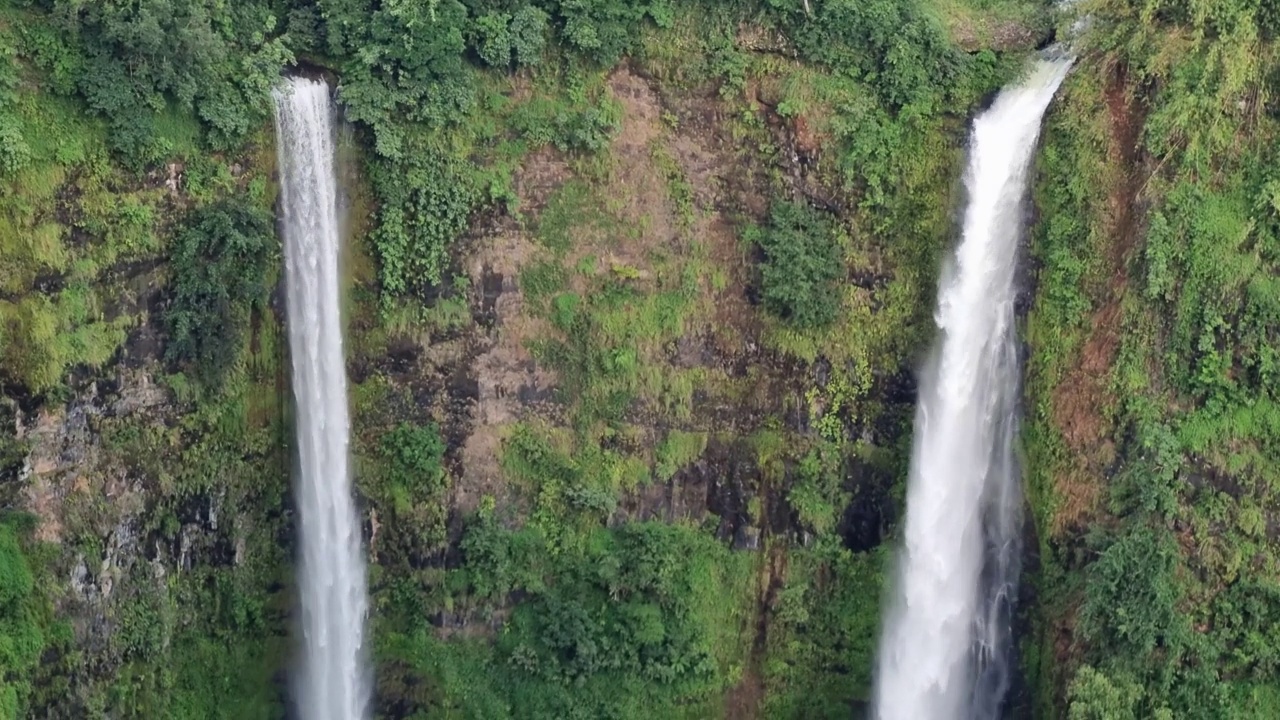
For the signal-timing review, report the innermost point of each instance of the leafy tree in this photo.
(493, 38)
(1131, 597)
(528, 31)
(1094, 696)
(134, 57)
(603, 29)
(220, 261)
(802, 264)
(404, 61)
(501, 37)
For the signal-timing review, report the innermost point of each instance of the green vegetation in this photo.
(633, 493)
(130, 61)
(801, 267)
(826, 626)
(221, 259)
(135, 223)
(643, 619)
(204, 641)
(1153, 493)
(21, 635)
(416, 480)
(14, 151)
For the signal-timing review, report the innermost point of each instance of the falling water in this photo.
(945, 650)
(333, 684)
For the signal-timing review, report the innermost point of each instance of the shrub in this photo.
(1131, 596)
(220, 263)
(426, 202)
(816, 495)
(802, 265)
(21, 639)
(893, 45)
(14, 151)
(416, 483)
(415, 455)
(1094, 696)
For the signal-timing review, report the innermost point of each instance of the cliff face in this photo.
(631, 345)
(151, 505)
(161, 528)
(1150, 389)
(605, 362)
(597, 462)
(163, 549)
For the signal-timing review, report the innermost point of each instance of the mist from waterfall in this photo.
(945, 649)
(333, 682)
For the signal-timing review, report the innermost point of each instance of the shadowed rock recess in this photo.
(634, 297)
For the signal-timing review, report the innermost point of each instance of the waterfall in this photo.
(944, 653)
(333, 684)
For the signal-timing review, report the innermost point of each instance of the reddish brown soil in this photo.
(1083, 401)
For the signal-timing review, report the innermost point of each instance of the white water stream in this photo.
(944, 653)
(333, 682)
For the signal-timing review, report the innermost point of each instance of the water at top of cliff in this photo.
(944, 653)
(332, 683)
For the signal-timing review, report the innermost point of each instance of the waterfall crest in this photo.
(333, 682)
(944, 653)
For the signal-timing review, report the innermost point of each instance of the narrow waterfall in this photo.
(944, 654)
(333, 684)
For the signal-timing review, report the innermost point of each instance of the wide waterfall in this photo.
(333, 684)
(944, 654)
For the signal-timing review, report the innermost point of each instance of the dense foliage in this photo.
(630, 626)
(132, 60)
(221, 260)
(426, 202)
(802, 265)
(406, 67)
(1156, 502)
(134, 133)
(416, 483)
(21, 634)
(641, 620)
(14, 151)
(131, 175)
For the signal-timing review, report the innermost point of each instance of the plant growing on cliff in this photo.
(637, 621)
(221, 259)
(21, 640)
(816, 494)
(501, 37)
(14, 151)
(802, 264)
(1094, 696)
(426, 202)
(415, 463)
